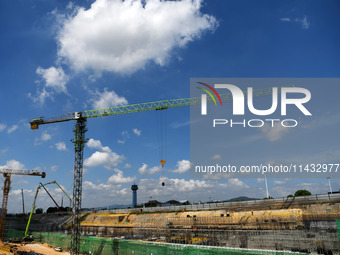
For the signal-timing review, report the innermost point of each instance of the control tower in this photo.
(134, 189)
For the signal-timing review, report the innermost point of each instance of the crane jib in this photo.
(157, 105)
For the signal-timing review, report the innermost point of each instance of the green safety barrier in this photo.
(338, 227)
(108, 246)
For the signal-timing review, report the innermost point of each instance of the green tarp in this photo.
(108, 246)
(338, 227)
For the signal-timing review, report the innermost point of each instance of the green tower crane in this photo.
(79, 140)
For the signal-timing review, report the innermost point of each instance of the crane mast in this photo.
(80, 140)
(7, 186)
(79, 143)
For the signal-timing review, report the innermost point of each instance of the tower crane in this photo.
(79, 140)
(7, 186)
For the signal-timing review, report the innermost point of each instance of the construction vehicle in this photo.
(7, 186)
(35, 198)
(79, 140)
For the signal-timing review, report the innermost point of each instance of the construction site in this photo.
(302, 225)
(295, 224)
(170, 127)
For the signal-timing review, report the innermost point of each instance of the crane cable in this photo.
(162, 137)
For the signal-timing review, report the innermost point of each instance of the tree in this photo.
(302, 192)
(290, 195)
(52, 210)
(39, 211)
(268, 197)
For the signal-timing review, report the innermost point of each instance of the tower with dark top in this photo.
(134, 189)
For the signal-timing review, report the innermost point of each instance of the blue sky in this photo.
(64, 56)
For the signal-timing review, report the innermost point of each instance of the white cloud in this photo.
(41, 96)
(61, 146)
(183, 185)
(54, 168)
(4, 150)
(122, 36)
(193, 190)
(54, 78)
(13, 164)
(43, 138)
(108, 159)
(305, 24)
(285, 19)
(279, 182)
(145, 170)
(127, 165)
(119, 178)
(237, 183)
(274, 133)
(260, 180)
(96, 144)
(2, 127)
(216, 157)
(137, 131)
(46, 137)
(12, 129)
(180, 124)
(103, 194)
(107, 99)
(124, 137)
(69, 5)
(182, 166)
(104, 157)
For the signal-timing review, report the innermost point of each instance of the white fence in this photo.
(225, 205)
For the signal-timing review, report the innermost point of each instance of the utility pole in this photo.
(23, 201)
(265, 180)
(329, 183)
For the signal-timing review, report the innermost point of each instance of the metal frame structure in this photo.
(7, 186)
(79, 140)
(35, 198)
(48, 193)
(79, 143)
